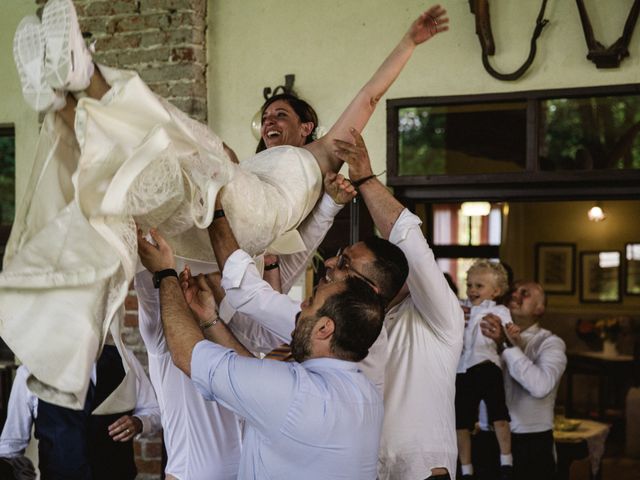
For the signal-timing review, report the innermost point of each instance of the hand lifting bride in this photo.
(112, 154)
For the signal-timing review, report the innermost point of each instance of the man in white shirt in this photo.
(81, 444)
(535, 360)
(262, 312)
(202, 438)
(316, 419)
(187, 417)
(425, 324)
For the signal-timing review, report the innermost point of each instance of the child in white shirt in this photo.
(479, 371)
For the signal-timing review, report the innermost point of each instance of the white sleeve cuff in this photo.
(226, 311)
(235, 268)
(328, 207)
(512, 354)
(146, 425)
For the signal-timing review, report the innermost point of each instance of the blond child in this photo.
(479, 371)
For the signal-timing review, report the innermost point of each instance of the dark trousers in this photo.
(485, 455)
(75, 445)
(532, 456)
(439, 477)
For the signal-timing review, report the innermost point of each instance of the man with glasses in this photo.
(317, 418)
(258, 303)
(424, 324)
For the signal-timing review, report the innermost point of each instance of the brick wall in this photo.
(164, 41)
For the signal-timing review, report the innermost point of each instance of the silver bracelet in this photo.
(206, 325)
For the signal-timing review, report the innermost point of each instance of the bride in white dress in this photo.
(118, 156)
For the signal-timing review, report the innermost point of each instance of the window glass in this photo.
(451, 226)
(458, 231)
(7, 202)
(596, 133)
(7, 184)
(462, 139)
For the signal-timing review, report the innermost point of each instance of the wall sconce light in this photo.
(475, 209)
(596, 214)
(267, 93)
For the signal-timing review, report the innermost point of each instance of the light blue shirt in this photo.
(320, 419)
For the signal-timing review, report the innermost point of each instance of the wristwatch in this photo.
(159, 275)
(505, 344)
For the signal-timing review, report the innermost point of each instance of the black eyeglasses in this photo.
(343, 263)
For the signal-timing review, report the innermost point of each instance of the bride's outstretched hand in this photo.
(429, 24)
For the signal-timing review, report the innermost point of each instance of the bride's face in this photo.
(281, 125)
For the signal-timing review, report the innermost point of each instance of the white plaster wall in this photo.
(13, 110)
(333, 46)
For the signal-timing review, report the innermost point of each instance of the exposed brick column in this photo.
(164, 41)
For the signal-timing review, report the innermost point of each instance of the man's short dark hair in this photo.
(357, 313)
(390, 268)
(302, 109)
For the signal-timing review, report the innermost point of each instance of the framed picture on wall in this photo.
(600, 275)
(632, 269)
(556, 268)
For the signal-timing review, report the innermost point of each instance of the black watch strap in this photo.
(159, 275)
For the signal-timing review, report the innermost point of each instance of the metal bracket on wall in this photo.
(480, 8)
(289, 80)
(609, 57)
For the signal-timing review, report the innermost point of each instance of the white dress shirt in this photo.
(203, 439)
(23, 410)
(320, 419)
(425, 339)
(477, 348)
(264, 318)
(533, 380)
(248, 294)
(312, 231)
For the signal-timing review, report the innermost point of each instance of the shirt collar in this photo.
(530, 332)
(326, 362)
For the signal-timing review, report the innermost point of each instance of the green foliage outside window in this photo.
(579, 133)
(421, 142)
(594, 133)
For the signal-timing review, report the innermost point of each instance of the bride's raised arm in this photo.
(359, 111)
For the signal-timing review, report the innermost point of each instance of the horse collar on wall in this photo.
(480, 8)
(600, 55)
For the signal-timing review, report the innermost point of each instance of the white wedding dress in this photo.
(72, 251)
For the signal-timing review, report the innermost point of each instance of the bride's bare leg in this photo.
(98, 86)
(68, 112)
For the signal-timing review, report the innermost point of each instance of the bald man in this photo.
(534, 361)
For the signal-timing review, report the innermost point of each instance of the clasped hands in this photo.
(491, 327)
(355, 155)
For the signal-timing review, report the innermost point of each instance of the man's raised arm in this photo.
(382, 205)
(180, 327)
(427, 285)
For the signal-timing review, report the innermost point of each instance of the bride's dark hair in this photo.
(302, 109)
